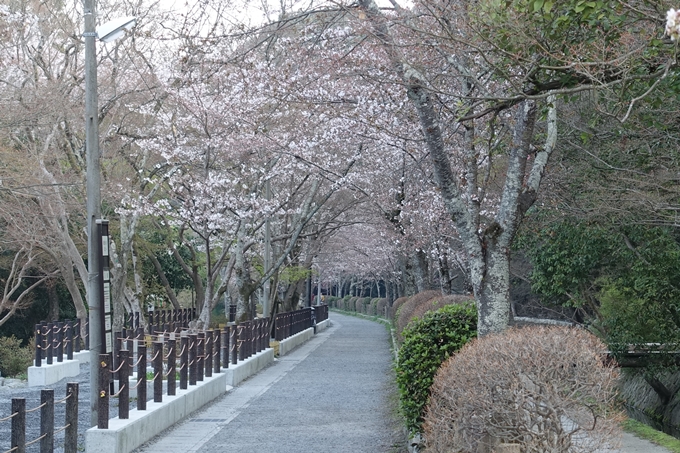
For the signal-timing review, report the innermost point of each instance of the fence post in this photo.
(87, 334)
(104, 380)
(69, 340)
(76, 336)
(124, 384)
(225, 347)
(217, 362)
(38, 345)
(50, 345)
(172, 366)
(200, 357)
(239, 341)
(47, 421)
(193, 358)
(71, 432)
(208, 353)
(19, 425)
(183, 360)
(233, 344)
(157, 372)
(141, 377)
(59, 338)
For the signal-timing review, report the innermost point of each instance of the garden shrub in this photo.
(545, 388)
(14, 358)
(427, 343)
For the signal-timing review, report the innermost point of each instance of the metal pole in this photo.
(267, 257)
(93, 200)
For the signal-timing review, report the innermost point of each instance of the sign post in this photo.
(105, 287)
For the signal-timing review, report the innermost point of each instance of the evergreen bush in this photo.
(427, 343)
(14, 358)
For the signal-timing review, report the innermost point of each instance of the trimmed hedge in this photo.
(428, 342)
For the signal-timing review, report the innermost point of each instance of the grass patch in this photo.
(647, 432)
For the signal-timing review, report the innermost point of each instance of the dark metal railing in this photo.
(54, 340)
(188, 356)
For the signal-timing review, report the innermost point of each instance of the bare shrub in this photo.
(395, 307)
(406, 310)
(545, 388)
(437, 303)
(380, 307)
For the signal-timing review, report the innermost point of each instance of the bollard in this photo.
(103, 391)
(124, 385)
(200, 357)
(183, 361)
(38, 345)
(71, 431)
(46, 421)
(141, 377)
(193, 346)
(217, 362)
(157, 372)
(172, 366)
(18, 425)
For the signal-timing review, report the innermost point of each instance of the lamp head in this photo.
(114, 29)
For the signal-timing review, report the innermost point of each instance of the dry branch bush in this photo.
(404, 315)
(395, 307)
(545, 388)
(437, 303)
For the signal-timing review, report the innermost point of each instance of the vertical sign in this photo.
(105, 286)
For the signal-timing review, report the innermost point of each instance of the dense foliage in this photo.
(429, 341)
(14, 358)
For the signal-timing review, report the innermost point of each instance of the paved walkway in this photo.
(335, 393)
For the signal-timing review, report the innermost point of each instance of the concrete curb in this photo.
(123, 436)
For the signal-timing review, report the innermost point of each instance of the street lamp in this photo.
(107, 32)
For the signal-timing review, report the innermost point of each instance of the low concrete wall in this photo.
(323, 325)
(246, 368)
(49, 374)
(123, 436)
(290, 343)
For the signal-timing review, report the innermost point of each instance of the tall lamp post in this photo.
(107, 32)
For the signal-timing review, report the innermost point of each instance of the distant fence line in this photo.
(293, 322)
(18, 440)
(54, 340)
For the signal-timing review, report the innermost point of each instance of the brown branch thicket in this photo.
(405, 311)
(545, 388)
